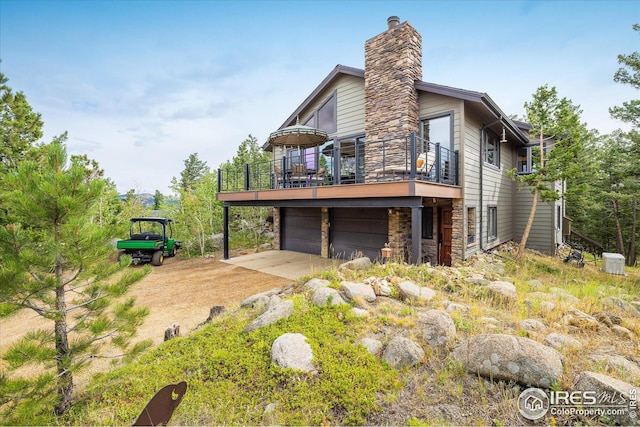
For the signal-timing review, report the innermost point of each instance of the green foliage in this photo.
(194, 169)
(55, 262)
(628, 74)
(20, 126)
(231, 378)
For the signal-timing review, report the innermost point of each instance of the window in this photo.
(492, 222)
(559, 218)
(492, 149)
(524, 160)
(438, 130)
(326, 115)
(427, 222)
(471, 226)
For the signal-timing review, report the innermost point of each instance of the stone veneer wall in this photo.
(399, 232)
(276, 228)
(458, 241)
(393, 62)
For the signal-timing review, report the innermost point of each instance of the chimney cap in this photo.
(392, 21)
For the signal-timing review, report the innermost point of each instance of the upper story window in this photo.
(324, 118)
(438, 130)
(524, 160)
(492, 149)
(326, 115)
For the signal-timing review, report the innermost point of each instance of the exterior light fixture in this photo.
(504, 136)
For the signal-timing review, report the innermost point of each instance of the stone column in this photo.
(324, 249)
(393, 63)
(276, 228)
(399, 232)
(458, 243)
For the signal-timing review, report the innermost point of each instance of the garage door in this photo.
(358, 230)
(301, 230)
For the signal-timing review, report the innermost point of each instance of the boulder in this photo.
(623, 332)
(580, 320)
(326, 296)
(280, 311)
(547, 306)
(437, 328)
(274, 300)
(561, 294)
(615, 362)
(409, 290)
(503, 290)
(604, 385)
(402, 352)
(355, 290)
(314, 284)
(356, 264)
(622, 306)
(359, 312)
(372, 345)
(560, 342)
(249, 301)
(452, 307)
(535, 284)
(293, 351)
(477, 279)
(510, 358)
(532, 325)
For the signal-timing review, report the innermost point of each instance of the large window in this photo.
(324, 118)
(492, 223)
(524, 160)
(492, 149)
(438, 130)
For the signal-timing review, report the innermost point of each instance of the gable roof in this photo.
(467, 95)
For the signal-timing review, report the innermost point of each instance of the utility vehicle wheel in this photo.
(172, 252)
(158, 258)
(120, 253)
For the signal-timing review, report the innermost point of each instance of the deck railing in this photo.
(399, 159)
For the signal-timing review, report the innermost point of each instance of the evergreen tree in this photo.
(20, 126)
(193, 170)
(561, 140)
(158, 198)
(628, 74)
(55, 263)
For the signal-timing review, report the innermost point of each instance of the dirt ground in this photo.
(179, 292)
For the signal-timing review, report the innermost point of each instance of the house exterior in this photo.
(415, 165)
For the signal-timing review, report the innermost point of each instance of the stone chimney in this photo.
(392, 65)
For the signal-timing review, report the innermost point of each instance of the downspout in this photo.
(480, 183)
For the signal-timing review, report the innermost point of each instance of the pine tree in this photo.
(561, 140)
(55, 262)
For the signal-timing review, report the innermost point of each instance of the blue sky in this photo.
(139, 85)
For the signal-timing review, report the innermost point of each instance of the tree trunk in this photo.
(616, 217)
(527, 229)
(63, 355)
(631, 256)
(65, 379)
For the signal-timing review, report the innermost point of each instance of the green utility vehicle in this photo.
(149, 241)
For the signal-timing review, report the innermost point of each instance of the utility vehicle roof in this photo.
(152, 219)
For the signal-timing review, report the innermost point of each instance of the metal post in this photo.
(219, 180)
(336, 162)
(225, 228)
(457, 157)
(412, 155)
(416, 235)
(438, 161)
(246, 177)
(284, 171)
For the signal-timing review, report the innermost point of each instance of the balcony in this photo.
(407, 158)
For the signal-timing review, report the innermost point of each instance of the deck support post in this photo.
(416, 235)
(225, 227)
